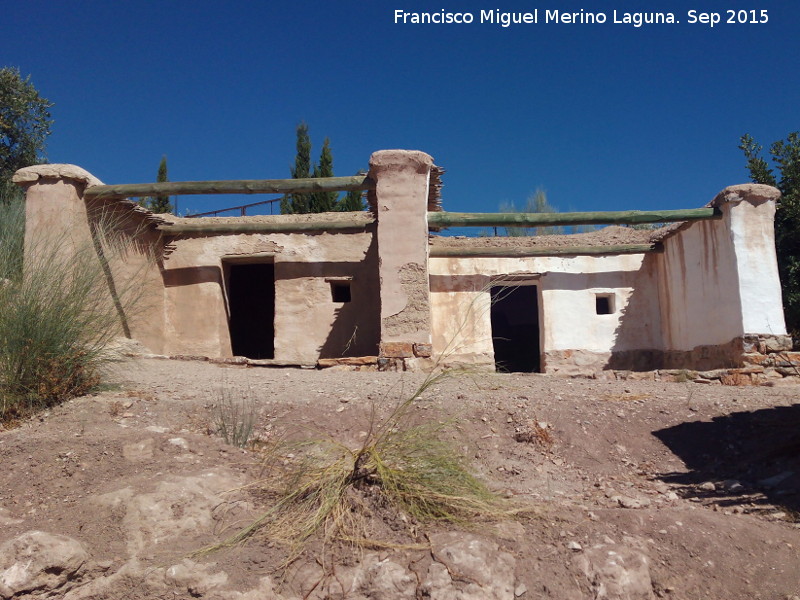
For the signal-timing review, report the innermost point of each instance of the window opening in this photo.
(604, 304)
(340, 291)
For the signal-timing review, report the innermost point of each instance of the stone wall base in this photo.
(405, 356)
(753, 359)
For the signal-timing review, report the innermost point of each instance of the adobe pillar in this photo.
(749, 213)
(55, 211)
(401, 204)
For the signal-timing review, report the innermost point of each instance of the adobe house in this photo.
(377, 288)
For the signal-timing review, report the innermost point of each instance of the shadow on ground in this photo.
(750, 457)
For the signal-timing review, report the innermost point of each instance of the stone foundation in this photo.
(747, 360)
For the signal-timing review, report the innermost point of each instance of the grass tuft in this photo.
(235, 420)
(321, 490)
(56, 316)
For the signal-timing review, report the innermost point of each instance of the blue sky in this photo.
(603, 117)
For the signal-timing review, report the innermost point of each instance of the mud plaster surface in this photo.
(415, 316)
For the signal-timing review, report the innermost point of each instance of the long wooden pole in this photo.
(516, 252)
(632, 217)
(250, 186)
(201, 226)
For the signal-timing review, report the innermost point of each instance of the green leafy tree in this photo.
(299, 203)
(785, 155)
(324, 201)
(536, 203)
(24, 126)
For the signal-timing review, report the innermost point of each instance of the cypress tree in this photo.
(158, 204)
(161, 204)
(299, 203)
(353, 201)
(324, 201)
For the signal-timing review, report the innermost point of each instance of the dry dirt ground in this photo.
(648, 490)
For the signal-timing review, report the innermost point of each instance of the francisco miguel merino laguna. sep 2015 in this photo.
(582, 17)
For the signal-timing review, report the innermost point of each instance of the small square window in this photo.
(604, 304)
(340, 291)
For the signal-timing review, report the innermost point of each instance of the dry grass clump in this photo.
(56, 316)
(322, 490)
(235, 420)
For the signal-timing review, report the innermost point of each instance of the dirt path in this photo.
(647, 490)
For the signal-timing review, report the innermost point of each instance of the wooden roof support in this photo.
(517, 252)
(247, 186)
(629, 217)
(348, 221)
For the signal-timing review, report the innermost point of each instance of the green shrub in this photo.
(55, 316)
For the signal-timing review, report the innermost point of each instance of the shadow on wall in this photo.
(129, 253)
(638, 339)
(354, 328)
(758, 450)
(192, 275)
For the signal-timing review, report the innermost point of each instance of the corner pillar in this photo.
(749, 213)
(401, 207)
(55, 210)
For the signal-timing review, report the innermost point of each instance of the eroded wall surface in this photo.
(700, 300)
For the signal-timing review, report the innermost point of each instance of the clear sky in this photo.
(602, 116)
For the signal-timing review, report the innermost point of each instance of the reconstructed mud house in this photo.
(378, 288)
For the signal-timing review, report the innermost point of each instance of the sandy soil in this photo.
(692, 490)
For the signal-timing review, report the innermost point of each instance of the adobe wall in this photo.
(135, 270)
(179, 282)
(56, 216)
(574, 339)
(711, 299)
(720, 289)
(308, 323)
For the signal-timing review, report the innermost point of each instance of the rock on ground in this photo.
(37, 561)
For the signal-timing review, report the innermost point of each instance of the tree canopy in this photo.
(536, 203)
(319, 201)
(299, 203)
(24, 124)
(785, 158)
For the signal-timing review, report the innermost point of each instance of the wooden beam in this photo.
(248, 186)
(452, 219)
(201, 226)
(517, 252)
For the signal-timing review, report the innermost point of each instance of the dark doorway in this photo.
(251, 300)
(515, 328)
